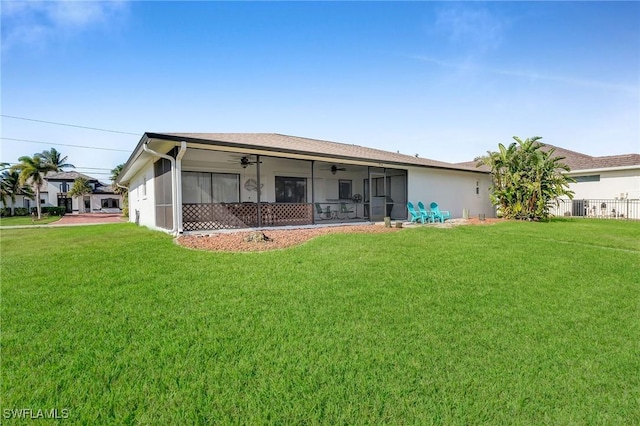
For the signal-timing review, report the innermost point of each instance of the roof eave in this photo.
(175, 138)
(603, 169)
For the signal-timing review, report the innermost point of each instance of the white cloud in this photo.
(533, 75)
(470, 26)
(39, 22)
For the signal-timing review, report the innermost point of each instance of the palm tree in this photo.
(10, 187)
(526, 179)
(54, 158)
(33, 169)
(115, 172)
(79, 189)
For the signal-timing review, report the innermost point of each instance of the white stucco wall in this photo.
(453, 190)
(610, 186)
(326, 184)
(142, 200)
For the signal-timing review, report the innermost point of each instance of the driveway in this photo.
(90, 218)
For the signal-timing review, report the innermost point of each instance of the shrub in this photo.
(51, 210)
(5, 211)
(21, 211)
(55, 211)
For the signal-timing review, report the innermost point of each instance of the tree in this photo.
(115, 172)
(527, 180)
(33, 170)
(54, 158)
(79, 189)
(10, 187)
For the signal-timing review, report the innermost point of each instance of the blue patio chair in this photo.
(438, 214)
(428, 216)
(415, 216)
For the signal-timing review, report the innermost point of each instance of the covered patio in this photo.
(191, 182)
(234, 190)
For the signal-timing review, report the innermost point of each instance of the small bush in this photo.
(51, 210)
(56, 211)
(21, 211)
(5, 212)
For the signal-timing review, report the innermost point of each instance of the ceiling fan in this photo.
(335, 169)
(244, 161)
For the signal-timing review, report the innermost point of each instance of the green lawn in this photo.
(516, 323)
(26, 220)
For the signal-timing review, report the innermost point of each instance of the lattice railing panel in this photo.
(291, 214)
(197, 217)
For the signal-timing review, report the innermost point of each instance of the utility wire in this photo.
(63, 144)
(77, 167)
(68, 125)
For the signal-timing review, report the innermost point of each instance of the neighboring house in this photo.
(21, 201)
(54, 192)
(606, 186)
(204, 181)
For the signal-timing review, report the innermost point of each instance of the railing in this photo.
(598, 208)
(244, 215)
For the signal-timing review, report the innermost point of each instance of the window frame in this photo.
(297, 200)
(341, 194)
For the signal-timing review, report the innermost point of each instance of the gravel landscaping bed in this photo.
(283, 238)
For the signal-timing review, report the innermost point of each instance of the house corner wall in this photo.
(142, 198)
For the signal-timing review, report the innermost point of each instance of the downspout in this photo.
(173, 182)
(183, 150)
(258, 192)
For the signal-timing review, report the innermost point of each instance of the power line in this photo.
(77, 167)
(63, 144)
(68, 125)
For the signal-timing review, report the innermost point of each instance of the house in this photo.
(57, 186)
(54, 193)
(206, 181)
(606, 186)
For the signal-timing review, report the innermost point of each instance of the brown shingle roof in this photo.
(579, 161)
(285, 143)
(69, 176)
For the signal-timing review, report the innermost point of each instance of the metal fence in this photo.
(598, 208)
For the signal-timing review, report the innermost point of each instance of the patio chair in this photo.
(415, 216)
(428, 216)
(322, 214)
(346, 212)
(438, 214)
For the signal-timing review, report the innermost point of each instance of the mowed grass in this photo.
(26, 220)
(515, 323)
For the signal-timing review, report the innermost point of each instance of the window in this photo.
(64, 187)
(109, 203)
(589, 178)
(291, 189)
(344, 189)
(42, 201)
(204, 188)
(477, 187)
(144, 187)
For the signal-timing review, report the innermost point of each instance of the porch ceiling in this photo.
(283, 146)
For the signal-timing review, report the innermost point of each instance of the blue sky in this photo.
(445, 80)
